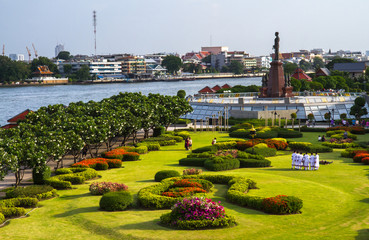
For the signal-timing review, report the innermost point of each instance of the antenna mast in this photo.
(94, 23)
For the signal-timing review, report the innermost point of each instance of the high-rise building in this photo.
(16, 57)
(58, 49)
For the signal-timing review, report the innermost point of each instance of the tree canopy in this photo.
(65, 55)
(236, 67)
(172, 63)
(289, 68)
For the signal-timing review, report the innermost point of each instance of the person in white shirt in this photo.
(316, 161)
(293, 158)
(299, 160)
(319, 138)
(306, 161)
(312, 161)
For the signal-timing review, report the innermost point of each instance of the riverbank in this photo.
(142, 80)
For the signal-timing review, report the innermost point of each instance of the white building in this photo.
(58, 49)
(16, 57)
(263, 61)
(215, 50)
(101, 68)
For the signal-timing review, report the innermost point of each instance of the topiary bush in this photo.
(61, 171)
(141, 149)
(26, 202)
(266, 152)
(116, 201)
(359, 157)
(289, 134)
(205, 149)
(33, 191)
(244, 126)
(151, 146)
(101, 166)
(254, 163)
(40, 174)
(282, 204)
(198, 162)
(131, 156)
(100, 188)
(2, 218)
(79, 175)
(163, 174)
(183, 134)
(225, 145)
(351, 152)
(221, 163)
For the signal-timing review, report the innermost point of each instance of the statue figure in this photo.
(264, 81)
(276, 46)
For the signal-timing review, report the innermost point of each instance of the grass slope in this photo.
(335, 199)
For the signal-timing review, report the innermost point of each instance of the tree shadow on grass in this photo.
(148, 225)
(280, 169)
(76, 211)
(71, 197)
(147, 180)
(365, 200)
(363, 234)
(173, 165)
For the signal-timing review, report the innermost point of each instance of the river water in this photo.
(14, 100)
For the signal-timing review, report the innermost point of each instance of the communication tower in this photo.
(94, 23)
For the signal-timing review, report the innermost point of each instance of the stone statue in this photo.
(276, 46)
(264, 81)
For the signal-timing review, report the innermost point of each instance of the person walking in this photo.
(316, 161)
(293, 158)
(312, 161)
(186, 144)
(189, 143)
(214, 141)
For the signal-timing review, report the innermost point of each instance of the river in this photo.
(14, 100)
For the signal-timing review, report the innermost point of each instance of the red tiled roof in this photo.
(20, 116)
(204, 53)
(7, 126)
(300, 74)
(206, 90)
(226, 86)
(43, 70)
(216, 88)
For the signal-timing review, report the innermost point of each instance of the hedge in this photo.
(163, 174)
(141, 149)
(205, 149)
(289, 134)
(351, 152)
(227, 221)
(26, 202)
(200, 155)
(33, 191)
(39, 175)
(249, 155)
(311, 129)
(65, 181)
(266, 152)
(317, 148)
(131, 156)
(151, 146)
(330, 133)
(61, 171)
(183, 134)
(199, 162)
(339, 145)
(240, 133)
(2, 218)
(221, 163)
(12, 212)
(226, 145)
(116, 201)
(254, 163)
(240, 126)
(167, 137)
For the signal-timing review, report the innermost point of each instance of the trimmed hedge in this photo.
(2, 218)
(289, 134)
(227, 221)
(116, 201)
(39, 175)
(254, 163)
(240, 126)
(65, 181)
(151, 146)
(339, 145)
(173, 137)
(221, 163)
(240, 133)
(226, 145)
(205, 149)
(351, 152)
(317, 148)
(33, 191)
(61, 171)
(312, 129)
(163, 174)
(141, 149)
(182, 134)
(249, 155)
(301, 146)
(199, 162)
(13, 212)
(266, 152)
(200, 155)
(131, 156)
(26, 202)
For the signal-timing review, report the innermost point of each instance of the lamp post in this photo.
(252, 134)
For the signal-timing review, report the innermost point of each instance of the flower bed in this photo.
(192, 171)
(358, 157)
(282, 204)
(99, 163)
(100, 188)
(351, 152)
(197, 213)
(354, 130)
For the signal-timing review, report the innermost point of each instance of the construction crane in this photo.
(34, 49)
(29, 55)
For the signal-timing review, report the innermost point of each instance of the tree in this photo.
(83, 73)
(67, 69)
(206, 59)
(311, 116)
(289, 68)
(358, 109)
(12, 71)
(181, 93)
(318, 63)
(236, 67)
(172, 63)
(42, 61)
(65, 55)
(343, 115)
(339, 60)
(305, 65)
(296, 84)
(316, 86)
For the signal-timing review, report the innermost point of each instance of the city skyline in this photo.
(182, 26)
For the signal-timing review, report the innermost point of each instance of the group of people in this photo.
(300, 161)
(321, 139)
(188, 143)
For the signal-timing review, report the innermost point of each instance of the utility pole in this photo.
(94, 23)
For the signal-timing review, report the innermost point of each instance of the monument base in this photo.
(263, 92)
(287, 92)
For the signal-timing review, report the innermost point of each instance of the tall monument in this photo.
(274, 84)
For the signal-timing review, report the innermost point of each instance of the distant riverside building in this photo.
(263, 61)
(214, 50)
(225, 58)
(103, 68)
(157, 57)
(58, 49)
(354, 69)
(133, 65)
(16, 57)
(299, 74)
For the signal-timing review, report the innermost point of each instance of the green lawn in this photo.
(336, 203)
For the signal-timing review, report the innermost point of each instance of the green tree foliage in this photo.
(67, 69)
(316, 86)
(181, 93)
(296, 84)
(83, 73)
(332, 82)
(240, 88)
(172, 64)
(42, 61)
(318, 63)
(305, 65)
(11, 71)
(236, 67)
(65, 55)
(206, 59)
(289, 68)
(339, 60)
(358, 109)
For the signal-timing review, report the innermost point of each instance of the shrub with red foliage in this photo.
(279, 145)
(182, 192)
(243, 145)
(282, 204)
(358, 157)
(353, 130)
(365, 160)
(99, 163)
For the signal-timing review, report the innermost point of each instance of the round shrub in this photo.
(114, 163)
(266, 152)
(140, 149)
(40, 174)
(183, 134)
(2, 218)
(163, 174)
(61, 171)
(131, 156)
(116, 201)
(365, 160)
(254, 163)
(358, 157)
(261, 145)
(101, 166)
(282, 204)
(351, 152)
(100, 188)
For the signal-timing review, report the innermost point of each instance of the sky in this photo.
(180, 26)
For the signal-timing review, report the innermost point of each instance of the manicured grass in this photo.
(336, 202)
